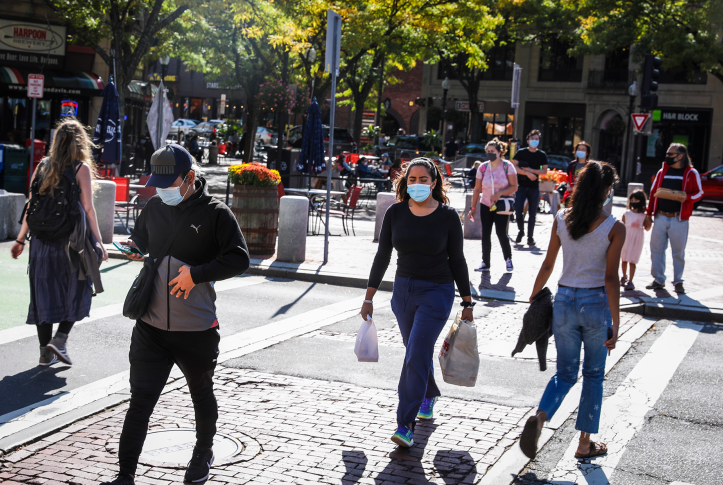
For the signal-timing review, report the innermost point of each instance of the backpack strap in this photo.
(504, 165)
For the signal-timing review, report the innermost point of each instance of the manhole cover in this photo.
(175, 446)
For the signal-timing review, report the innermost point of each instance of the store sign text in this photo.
(680, 116)
(28, 37)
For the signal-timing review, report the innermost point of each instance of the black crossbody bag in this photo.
(139, 295)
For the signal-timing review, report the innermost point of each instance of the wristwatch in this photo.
(467, 304)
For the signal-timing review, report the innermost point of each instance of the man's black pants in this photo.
(152, 355)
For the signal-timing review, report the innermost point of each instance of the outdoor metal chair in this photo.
(345, 210)
(122, 203)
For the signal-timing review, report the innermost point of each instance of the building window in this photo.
(500, 63)
(556, 65)
(682, 77)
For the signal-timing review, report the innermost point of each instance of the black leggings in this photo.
(152, 355)
(45, 331)
(492, 218)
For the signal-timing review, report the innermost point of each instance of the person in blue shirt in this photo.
(364, 172)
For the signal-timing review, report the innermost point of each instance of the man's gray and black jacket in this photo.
(209, 242)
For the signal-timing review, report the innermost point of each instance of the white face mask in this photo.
(172, 195)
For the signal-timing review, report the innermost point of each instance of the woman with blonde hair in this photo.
(59, 293)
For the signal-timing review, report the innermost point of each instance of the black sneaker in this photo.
(530, 241)
(121, 480)
(655, 286)
(199, 468)
(679, 289)
(520, 235)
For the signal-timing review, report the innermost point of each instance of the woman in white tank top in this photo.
(587, 304)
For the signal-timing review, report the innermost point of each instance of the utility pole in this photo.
(378, 117)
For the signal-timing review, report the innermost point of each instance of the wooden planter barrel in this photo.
(257, 212)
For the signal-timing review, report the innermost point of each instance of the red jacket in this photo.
(691, 186)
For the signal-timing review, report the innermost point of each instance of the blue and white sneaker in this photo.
(403, 436)
(425, 410)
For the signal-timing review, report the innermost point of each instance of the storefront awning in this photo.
(141, 91)
(14, 81)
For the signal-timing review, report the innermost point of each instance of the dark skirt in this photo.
(56, 293)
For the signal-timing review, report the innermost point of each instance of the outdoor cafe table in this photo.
(309, 194)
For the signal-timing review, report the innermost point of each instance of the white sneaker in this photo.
(483, 267)
(510, 268)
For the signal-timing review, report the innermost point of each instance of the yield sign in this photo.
(639, 120)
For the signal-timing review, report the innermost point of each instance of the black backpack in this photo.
(53, 215)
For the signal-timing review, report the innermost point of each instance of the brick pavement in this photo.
(309, 432)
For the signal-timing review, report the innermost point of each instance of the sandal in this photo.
(596, 449)
(530, 436)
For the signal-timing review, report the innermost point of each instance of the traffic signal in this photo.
(650, 85)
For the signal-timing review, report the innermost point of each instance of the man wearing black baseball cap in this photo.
(180, 326)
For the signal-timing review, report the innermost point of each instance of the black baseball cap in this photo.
(167, 164)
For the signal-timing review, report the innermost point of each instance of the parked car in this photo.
(182, 125)
(712, 182)
(343, 141)
(266, 136)
(558, 162)
(403, 146)
(204, 129)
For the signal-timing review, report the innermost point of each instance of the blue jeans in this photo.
(668, 229)
(580, 316)
(532, 195)
(422, 310)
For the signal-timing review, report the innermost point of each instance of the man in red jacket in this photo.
(672, 214)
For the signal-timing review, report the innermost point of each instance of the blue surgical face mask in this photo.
(609, 198)
(534, 143)
(172, 195)
(581, 154)
(419, 192)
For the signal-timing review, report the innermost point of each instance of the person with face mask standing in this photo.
(671, 211)
(583, 150)
(495, 178)
(427, 235)
(180, 325)
(530, 162)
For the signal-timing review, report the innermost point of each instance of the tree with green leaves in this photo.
(136, 30)
(686, 34)
(461, 41)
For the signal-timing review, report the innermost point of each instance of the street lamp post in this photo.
(629, 156)
(445, 88)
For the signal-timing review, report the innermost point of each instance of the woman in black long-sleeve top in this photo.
(427, 235)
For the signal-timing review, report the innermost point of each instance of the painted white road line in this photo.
(231, 347)
(37, 413)
(24, 331)
(623, 413)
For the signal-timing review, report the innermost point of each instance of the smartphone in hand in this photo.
(124, 248)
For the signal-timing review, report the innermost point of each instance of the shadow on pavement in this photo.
(355, 463)
(29, 387)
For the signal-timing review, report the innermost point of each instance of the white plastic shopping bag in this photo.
(459, 358)
(366, 347)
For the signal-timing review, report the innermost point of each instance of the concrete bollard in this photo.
(104, 203)
(384, 201)
(633, 186)
(472, 229)
(293, 220)
(11, 207)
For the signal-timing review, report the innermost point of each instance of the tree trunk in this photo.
(251, 124)
(472, 88)
(358, 118)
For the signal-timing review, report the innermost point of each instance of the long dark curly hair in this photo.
(592, 187)
(439, 192)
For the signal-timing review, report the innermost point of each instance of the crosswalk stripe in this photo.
(623, 413)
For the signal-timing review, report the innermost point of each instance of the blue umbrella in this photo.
(108, 128)
(312, 158)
